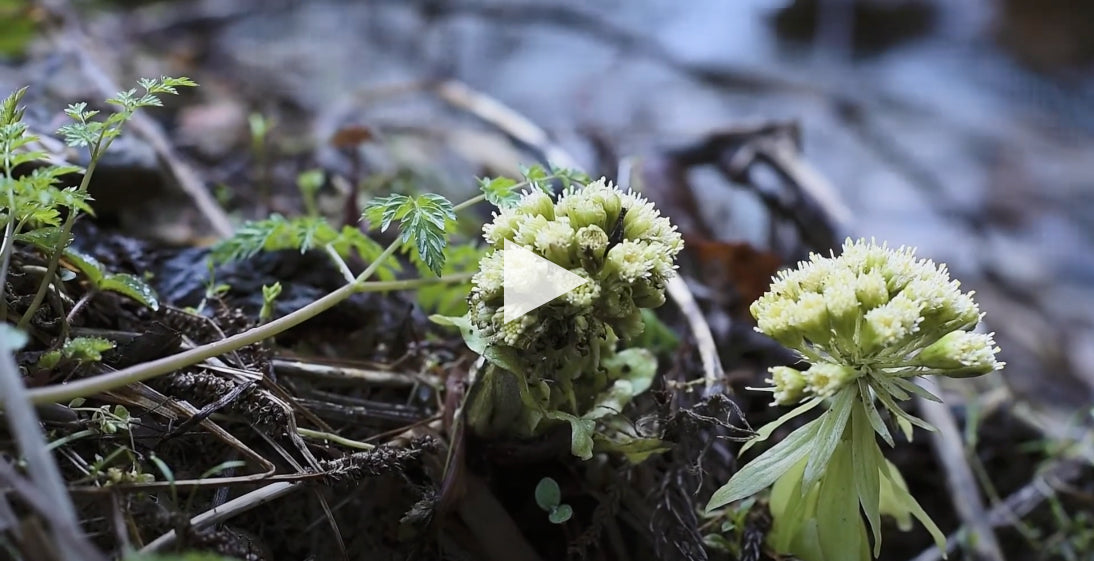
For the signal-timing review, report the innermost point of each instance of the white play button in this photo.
(530, 281)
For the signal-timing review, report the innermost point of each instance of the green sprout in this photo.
(868, 322)
(80, 350)
(549, 498)
(269, 299)
(309, 183)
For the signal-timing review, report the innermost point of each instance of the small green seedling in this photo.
(549, 497)
(269, 298)
(79, 350)
(309, 183)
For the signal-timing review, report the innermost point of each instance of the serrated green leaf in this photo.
(79, 135)
(534, 173)
(81, 350)
(381, 211)
(571, 177)
(28, 157)
(10, 112)
(764, 470)
(131, 286)
(422, 223)
(500, 191)
(277, 233)
(46, 239)
(548, 495)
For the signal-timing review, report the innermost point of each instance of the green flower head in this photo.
(559, 362)
(614, 238)
(874, 311)
(867, 322)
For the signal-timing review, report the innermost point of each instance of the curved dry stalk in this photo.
(704, 338)
(227, 510)
(459, 94)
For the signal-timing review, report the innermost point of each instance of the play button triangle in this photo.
(530, 281)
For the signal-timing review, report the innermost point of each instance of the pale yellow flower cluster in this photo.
(615, 238)
(872, 311)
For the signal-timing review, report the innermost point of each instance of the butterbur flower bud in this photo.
(581, 212)
(629, 261)
(592, 243)
(584, 296)
(774, 317)
(825, 379)
(961, 354)
(538, 203)
(811, 317)
(789, 384)
(503, 226)
(843, 306)
(491, 277)
(871, 290)
(553, 241)
(891, 323)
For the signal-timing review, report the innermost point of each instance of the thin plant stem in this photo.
(9, 244)
(9, 233)
(339, 262)
(320, 435)
(66, 231)
(474, 201)
(83, 301)
(158, 367)
(409, 284)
